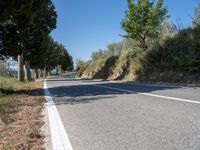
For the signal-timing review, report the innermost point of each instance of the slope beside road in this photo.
(99, 115)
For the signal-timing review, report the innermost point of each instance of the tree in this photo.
(168, 30)
(23, 28)
(143, 19)
(196, 20)
(38, 32)
(15, 19)
(114, 48)
(51, 55)
(3, 68)
(97, 55)
(80, 63)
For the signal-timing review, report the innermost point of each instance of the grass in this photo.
(21, 104)
(9, 85)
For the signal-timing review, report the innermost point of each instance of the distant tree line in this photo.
(25, 27)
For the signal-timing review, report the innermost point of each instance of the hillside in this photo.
(175, 58)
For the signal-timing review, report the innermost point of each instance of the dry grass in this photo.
(10, 85)
(21, 119)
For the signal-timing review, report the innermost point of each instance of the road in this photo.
(102, 115)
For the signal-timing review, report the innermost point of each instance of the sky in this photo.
(84, 26)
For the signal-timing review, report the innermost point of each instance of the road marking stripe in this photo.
(155, 85)
(152, 95)
(59, 137)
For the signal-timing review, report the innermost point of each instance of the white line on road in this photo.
(154, 85)
(152, 95)
(60, 140)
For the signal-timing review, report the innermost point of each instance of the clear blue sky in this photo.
(87, 25)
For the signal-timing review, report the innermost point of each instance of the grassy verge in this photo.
(21, 119)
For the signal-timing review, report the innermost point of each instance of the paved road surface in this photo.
(100, 115)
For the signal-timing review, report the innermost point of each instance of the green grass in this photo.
(9, 87)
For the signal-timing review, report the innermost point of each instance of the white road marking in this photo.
(148, 94)
(142, 93)
(154, 85)
(60, 140)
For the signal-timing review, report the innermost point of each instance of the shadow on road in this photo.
(66, 93)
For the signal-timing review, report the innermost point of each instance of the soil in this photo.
(22, 131)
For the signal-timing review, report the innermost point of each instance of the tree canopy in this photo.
(25, 26)
(143, 19)
(196, 20)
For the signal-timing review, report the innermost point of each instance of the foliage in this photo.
(143, 19)
(98, 54)
(167, 31)
(16, 18)
(176, 52)
(25, 26)
(52, 54)
(80, 64)
(3, 68)
(114, 49)
(182, 51)
(196, 20)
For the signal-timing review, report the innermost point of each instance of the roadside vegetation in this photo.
(153, 49)
(21, 105)
(25, 28)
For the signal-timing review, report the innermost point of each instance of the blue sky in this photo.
(88, 25)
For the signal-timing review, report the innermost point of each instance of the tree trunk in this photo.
(59, 70)
(20, 68)
(28, 70)
(143, 43)
(56, 70)
(41, 73)
(45, 71)
(36, 74)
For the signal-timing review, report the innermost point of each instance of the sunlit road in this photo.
(102, 115)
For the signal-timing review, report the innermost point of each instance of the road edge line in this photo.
(59, 137)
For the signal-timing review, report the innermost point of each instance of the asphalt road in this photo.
(101, 115)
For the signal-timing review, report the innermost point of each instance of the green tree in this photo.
(80, 64)
(38, 32)
(24, 25)
(143, 19)
(196, 20)
(15, 19)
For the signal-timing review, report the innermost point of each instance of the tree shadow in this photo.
(94, 91)
(79, 100)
